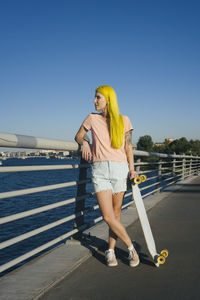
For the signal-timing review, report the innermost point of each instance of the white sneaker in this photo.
(110, 258)
(133, 258)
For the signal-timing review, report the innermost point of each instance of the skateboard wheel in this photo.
(164, 253)
(143, 178)
(137, 180)
(161, 260)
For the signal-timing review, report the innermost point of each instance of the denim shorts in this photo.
(110, 175)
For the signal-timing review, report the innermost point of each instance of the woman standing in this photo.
(111, 156)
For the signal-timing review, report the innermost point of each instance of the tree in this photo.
(166, 148)
(195, 147)
(145, 143)
(180, 146)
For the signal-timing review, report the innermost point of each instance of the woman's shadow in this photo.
(98, 247)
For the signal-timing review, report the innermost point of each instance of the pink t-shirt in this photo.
(102, 149)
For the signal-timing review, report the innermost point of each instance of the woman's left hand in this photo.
(132, 174)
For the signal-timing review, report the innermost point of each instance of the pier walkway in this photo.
(175, 223)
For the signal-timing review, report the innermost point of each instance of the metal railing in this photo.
(163, 170)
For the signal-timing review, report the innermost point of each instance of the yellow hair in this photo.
(116, 120)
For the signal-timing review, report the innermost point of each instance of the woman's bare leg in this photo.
(117, 200)
(105, 200)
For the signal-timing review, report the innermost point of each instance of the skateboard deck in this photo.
(157, 258)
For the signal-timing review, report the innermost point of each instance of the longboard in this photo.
(157, 258)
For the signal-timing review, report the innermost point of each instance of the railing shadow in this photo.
(183, 188)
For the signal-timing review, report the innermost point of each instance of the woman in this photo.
(112, 160)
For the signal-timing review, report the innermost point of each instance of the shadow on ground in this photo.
(98, 247)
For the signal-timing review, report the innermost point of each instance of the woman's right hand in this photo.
(86, 151)
(132, 174)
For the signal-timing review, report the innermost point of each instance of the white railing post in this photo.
(174, 166)
(138, 161)
(183, 168)
(190, 170)
(198, 166)
(159, 174)
(81, 190)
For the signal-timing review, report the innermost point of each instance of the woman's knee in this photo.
(117, 212)
(109, 219)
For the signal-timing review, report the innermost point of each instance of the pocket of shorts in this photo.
(98, 169)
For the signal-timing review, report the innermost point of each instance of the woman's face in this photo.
(100, 102)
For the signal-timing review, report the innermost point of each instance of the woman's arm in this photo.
(129, 154)
(82, 139)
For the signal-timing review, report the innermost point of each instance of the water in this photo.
(22, 180)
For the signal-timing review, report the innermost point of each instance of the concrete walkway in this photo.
(175, 222)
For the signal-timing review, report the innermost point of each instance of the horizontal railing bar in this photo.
(167, 179)
(151, 178)
(37, 168)
(34, 211)
(167, 168)
(147, 171)
(148, 186)
(194, 167)
(127, 204)
(152, 192)
(71, 166)
(127, 195)
(95, 207)
(177, 166)
(97, 220)
(165, 174)
(178, 171)
(179, 175)
(31, 142)
(41, 189)
(37, 250)
(165, 162)
(147, 163)
(37, 231)
(162, 155)
(40, 209)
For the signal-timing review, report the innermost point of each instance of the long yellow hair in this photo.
(116, 120)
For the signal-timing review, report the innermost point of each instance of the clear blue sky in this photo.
(54, 54)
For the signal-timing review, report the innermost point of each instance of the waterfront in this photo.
(22, 180)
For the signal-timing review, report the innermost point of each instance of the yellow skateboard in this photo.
(158, 259)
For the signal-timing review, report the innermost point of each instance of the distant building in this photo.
(169, 140)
